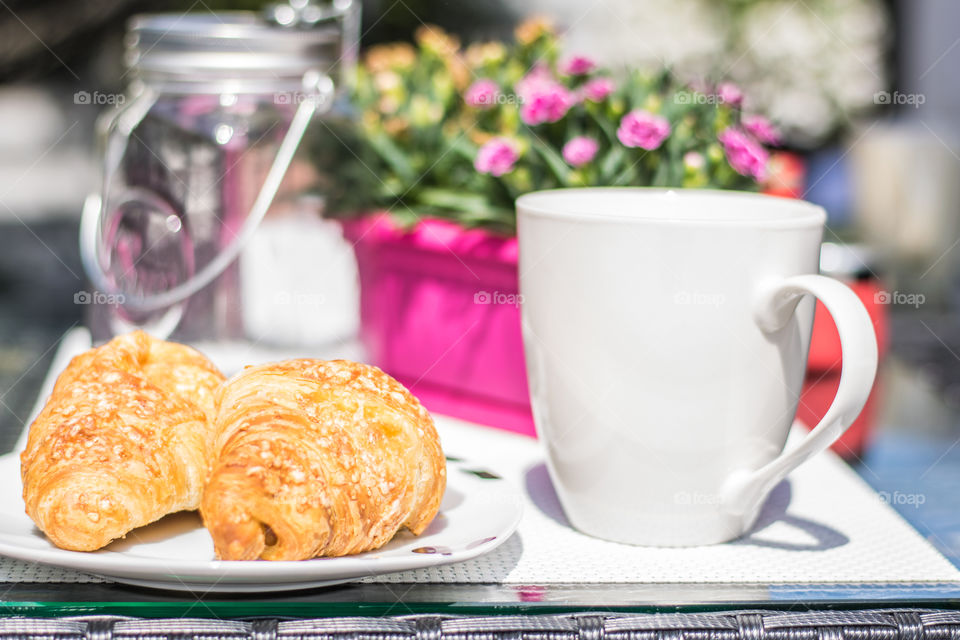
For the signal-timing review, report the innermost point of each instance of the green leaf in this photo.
(661, 178)
(493, 216)
(395, 157)
(554, 162)
(450, 199)
(626, 177)
(403, 216)
(464, 148)
(606, 125)
(611, 163)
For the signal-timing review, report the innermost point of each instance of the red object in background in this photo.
(824, 365)
(787, 179)
(787, 175)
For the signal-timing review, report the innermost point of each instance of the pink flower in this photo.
(744, 154)
(578, 66)
(643, 129)
(580, 150)
(543, 98)
(730, 93)
(496, 157)
(761, 129)
(482, 93)
(538, 76)
(548, 106)
(597, 89)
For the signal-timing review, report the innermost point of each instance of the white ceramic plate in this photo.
(479, 512)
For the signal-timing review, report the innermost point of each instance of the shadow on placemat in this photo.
(822, 537)
(543, 495)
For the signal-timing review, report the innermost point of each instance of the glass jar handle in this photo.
(320, 89)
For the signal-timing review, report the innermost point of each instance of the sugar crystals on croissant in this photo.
(122, 441)
(319, 458)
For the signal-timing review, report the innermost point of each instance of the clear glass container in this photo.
(208, 224)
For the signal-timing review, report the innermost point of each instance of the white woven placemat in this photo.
(823, 525)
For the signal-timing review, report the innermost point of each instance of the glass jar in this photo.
(208, 225)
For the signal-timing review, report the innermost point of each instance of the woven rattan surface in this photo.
(898, 624)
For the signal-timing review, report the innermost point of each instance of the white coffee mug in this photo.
(666, 336)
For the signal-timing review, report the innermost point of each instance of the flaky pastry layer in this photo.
(123, 440)
(319, 458)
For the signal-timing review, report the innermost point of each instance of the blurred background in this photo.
(866, 94)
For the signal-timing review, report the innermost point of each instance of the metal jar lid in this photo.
(236, 51)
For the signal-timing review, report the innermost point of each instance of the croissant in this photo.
(319, 458)
(123, 440)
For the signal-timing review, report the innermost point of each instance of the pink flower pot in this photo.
(439, 311)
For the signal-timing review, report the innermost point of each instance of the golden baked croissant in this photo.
(319, 458)
(122, 441)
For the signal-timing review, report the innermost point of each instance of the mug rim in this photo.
(793, 213)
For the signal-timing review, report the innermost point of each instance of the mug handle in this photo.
(744, 490)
